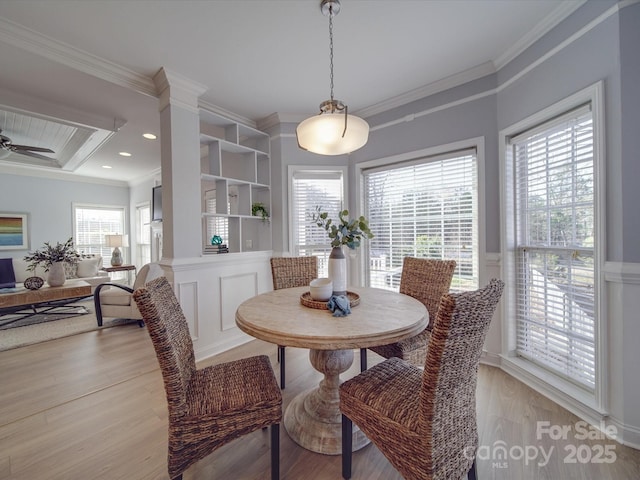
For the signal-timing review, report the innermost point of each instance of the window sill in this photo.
(578, 401)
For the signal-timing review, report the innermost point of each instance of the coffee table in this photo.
(43, 300)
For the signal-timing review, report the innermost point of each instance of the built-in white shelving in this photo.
(235, 173)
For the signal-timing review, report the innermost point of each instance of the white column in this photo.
(180, 160)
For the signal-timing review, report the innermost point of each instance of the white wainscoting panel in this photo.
(188, 297)
(235, 289)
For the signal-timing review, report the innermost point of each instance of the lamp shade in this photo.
(117, 240)
(322, 134)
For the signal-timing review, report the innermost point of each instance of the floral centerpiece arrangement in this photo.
(345, 231)
(349, 232)
(49, 254)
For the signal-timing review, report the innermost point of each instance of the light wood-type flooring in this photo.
(92, 406)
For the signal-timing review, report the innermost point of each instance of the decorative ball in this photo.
(33, 283)
(216, 240)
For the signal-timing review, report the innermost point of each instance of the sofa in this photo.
(87, 269)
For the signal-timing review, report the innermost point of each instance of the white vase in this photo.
(56, 276)
(338, 271)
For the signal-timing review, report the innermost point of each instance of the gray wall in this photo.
(630, 130)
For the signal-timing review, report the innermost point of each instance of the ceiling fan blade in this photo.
(33, 149)
(34, 155)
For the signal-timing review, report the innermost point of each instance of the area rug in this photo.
(42, 332)
(21, 319)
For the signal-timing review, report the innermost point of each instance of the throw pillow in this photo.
(70, 270)
(88, 267)
(7, 276)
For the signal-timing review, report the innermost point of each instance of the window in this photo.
(311, 188)
(92, 223)
(554, 206)
(143, 236)
(215, 225)
(425, 208)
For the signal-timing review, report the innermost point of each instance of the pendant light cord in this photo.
(331, 50)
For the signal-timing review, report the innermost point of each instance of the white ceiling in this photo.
(91, 63)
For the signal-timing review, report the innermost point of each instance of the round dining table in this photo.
(312, 419)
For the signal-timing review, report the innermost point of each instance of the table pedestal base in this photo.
(313, 418)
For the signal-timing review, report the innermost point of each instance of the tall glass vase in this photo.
(56, 276)
(338, 271)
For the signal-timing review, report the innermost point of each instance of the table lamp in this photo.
(116, 241)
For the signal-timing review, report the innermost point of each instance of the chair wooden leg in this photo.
(347, 437)
(472, 474)
(363, 359)
(275, 451)
(282, 362)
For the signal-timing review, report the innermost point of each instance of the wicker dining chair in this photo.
(211, 406)
(426, 280)
(424, 421)
(290, 272)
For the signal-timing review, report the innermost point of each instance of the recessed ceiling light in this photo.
(149, 136)
(125, 154)
(106, 166)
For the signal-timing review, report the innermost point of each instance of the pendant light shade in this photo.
(333, 131)
(323, 133)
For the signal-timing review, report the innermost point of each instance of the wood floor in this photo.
(92, 406)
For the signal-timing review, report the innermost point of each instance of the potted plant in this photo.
(345, 231)
(258, 208)
(52, 258)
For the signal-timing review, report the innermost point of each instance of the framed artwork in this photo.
(14, 231)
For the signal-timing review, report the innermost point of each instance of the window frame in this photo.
(103, 248)
(140, 228)
(595, 403)
(309, 169)
(477, 143)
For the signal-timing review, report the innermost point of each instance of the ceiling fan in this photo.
(7, 147)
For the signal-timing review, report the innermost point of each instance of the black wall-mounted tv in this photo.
(156, 204)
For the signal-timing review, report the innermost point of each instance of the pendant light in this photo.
(333, 131)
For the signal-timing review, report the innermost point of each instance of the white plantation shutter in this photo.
(425, 208)
(143, 226)
(215, 225)
(555, 223)
(311, 188)
(92, 223)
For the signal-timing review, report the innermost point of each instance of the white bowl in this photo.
(321, 289)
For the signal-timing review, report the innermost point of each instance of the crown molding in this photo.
(562, 11)
(9, 168)
(151, 176)
(34, 42)
(278, 118)
(226, 113)
(29, 105)
(455, 80)
(175, 89)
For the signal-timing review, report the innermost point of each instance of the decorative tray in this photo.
(307, 301)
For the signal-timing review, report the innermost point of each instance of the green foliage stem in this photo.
(349, 232)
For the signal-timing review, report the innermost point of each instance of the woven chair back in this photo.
(448, 395)
(427, 280)
(171, 340)
(290, 272)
